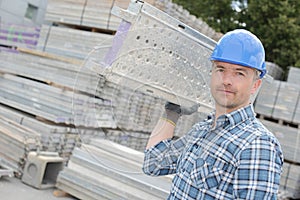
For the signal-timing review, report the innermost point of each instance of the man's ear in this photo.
(256, 86)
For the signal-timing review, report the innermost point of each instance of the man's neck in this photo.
(223, 110)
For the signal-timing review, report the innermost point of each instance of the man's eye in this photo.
(240, 74)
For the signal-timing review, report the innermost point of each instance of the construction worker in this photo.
(230, 155)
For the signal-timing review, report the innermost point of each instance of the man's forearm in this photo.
(163, 130)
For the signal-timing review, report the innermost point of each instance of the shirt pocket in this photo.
(208, 173)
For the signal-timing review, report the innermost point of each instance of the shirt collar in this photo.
(234, 117)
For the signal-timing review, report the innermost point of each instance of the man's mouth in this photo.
(226, 91)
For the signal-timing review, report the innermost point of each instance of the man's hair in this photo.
(257, 74)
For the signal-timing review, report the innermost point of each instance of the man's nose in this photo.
(227, 78)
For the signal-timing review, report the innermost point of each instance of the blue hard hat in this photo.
(241, 47)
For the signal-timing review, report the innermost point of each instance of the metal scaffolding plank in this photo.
(64, 41)
(49, 71)
(61, 139)
(16, 141)
(54, 104)
(117, 166)
(144, 62)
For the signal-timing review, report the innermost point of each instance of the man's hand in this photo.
(174, 111)
(164, 130)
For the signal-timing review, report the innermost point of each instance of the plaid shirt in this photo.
(237, 159)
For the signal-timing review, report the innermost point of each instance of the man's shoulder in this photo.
(264, 137)
(262, 130)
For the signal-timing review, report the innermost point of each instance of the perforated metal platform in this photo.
(157, 54)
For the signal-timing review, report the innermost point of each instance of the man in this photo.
(231, 155)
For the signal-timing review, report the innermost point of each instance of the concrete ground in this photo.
(12, 188)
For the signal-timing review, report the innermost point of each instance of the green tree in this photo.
(218, 14)
(276, 23)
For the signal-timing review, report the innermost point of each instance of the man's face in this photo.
(232, 86)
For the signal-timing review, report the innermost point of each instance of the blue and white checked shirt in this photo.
(238, 159)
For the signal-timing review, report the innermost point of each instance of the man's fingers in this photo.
(189, 110)
(181, 110)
